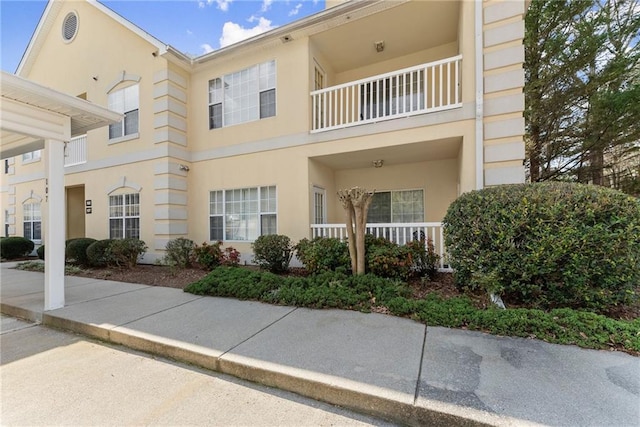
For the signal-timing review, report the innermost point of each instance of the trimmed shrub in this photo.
(125, 252)
(15, 247)
(76, 250)
(273, 252)
(547, 245)
(212, 256)
(179, 252)
(323, 254)
(98, 253)
(424, 259)
(40, 252)
(385, 258)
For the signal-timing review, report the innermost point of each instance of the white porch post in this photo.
(54, 226)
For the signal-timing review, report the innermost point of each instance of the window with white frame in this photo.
(319, 205)
(124, 216)
(32, 221)
(32, 156)
(125, 101)
(243, 96)
(242, 214)
(396, 207)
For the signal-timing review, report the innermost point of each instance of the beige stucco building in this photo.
(419, 100)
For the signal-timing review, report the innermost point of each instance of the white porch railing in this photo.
(75, 151)
(425, 88)
(400, 233)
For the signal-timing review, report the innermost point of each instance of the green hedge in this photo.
(548, 245)
(40, 252)
(98, 253)
(76, 250)
(273, 252)
(15, 247)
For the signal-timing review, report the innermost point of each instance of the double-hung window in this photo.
(242, 214)
(125, 101)
(396, 207)
(243, 96)
(32, 221)
(124, 216)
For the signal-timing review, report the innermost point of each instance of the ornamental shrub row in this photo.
(15, 247)
(547, 245)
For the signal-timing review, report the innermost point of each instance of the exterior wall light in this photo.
(378, 163)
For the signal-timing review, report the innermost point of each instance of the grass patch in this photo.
(39, 267)
(363, 293)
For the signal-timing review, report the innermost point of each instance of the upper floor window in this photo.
(125, 101)
(124, 216)
(32, 221)
(32, 156)
(243, 96)
(242, 214)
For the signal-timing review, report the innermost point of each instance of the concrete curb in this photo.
(368, 399)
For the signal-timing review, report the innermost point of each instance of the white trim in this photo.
(32, 196)
(124, 138)
(124, 183)
(479, 77)
(123, 77)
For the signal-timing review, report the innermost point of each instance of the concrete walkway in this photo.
(385, 366)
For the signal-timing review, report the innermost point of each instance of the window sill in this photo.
(124, 138)
(26, 162)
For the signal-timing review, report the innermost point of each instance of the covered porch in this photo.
(413, 183)
(34, 117)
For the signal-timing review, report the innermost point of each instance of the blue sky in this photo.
(192, 26)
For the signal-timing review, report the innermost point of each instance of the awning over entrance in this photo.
(34, 117)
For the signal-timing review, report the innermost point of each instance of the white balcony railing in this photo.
(75, 151)
(400, 233)
(425, 88)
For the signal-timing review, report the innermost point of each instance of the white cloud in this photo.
(266, 4)
(315, 2)
(233, 33)
(206, 48)
(295, 10)
(223, 5)
(189, 32)
(253, 18)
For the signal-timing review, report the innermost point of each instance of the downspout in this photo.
(479, 97)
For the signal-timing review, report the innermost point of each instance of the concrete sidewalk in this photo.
(385, 366)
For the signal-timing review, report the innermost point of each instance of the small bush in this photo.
(387, 259)
(273, 252)
(323, 254)
(98, 253)
(212, 256)
(76, 250)
(40, 252)
(230, 257)
(15, 247)
(547, 245)
(424, 259)
(125, 252)
(179, 252)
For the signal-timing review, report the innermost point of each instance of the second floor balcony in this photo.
(75, 151)
(425, 88)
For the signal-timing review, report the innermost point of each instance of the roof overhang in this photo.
(31, 113)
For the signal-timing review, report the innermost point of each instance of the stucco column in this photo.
(54, 225)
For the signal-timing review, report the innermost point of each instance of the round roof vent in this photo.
(70, 26)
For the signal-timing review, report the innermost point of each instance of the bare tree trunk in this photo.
(356, 201)
(343, 195)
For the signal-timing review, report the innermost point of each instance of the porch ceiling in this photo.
(31, 113)
(394, 155)
(405, 29)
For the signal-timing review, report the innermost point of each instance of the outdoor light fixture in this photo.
(184, 168)
(379, 46)
(378, 163)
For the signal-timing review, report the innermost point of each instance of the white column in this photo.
(54, 225)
